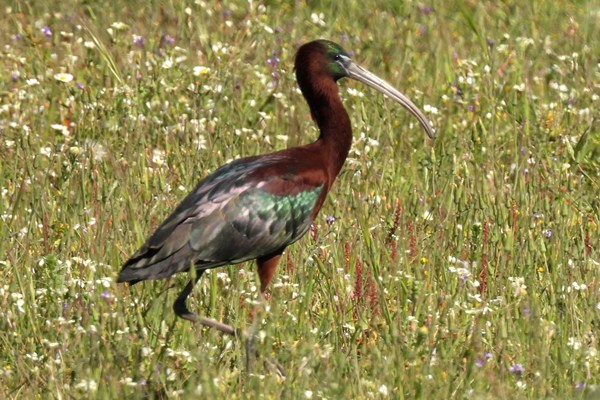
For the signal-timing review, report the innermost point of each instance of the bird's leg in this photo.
(179, 306)
(182, 311)
(266, 270)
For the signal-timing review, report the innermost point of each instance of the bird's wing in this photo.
(238, 213)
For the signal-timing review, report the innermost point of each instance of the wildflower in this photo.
(201, 70)
(46, 31)
(61, 128)
(87, 385)
(168, 63)
(574, 343)
(63, 77)
(138, 41)
(32, 82)
(158, 157)
(330, 220)
(430, 109)
(273, 61)
(548, 233)
(481, 360)
(383, 390)
(169, 39)
(355, 93)
(516, 369)
(518, 284)
(120, 26)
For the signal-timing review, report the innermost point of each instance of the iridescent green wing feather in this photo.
(231, 216)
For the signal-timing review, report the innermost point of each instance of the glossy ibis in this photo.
(254, 207)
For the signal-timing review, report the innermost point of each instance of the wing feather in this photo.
(236, 214)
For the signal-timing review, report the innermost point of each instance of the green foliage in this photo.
(467, 267)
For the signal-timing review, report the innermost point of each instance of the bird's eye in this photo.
(337, 57)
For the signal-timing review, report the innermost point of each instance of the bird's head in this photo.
(324, 60)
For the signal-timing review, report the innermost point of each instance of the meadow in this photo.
(465, 267)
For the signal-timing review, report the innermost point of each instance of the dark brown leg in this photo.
(182, 311)
(266, 269)
(180, 307)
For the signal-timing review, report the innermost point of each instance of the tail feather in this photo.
(145, 267)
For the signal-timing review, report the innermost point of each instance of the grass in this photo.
(464, 268)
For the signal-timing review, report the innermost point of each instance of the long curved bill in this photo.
(360, 74)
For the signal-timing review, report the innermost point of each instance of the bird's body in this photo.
(254, 207)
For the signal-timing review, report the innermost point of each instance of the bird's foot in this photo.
(182, 311)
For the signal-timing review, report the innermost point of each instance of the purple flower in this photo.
(471, 108)
(169, 39)
(138, 41)
(344, 37)
(79, 85)
(517, 369)
(424, 9)
(14, 76)
(481, 360)
(46, 31)
(273, 61)
(330, 220)
(548, 233)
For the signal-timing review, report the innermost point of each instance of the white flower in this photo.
(32, 82)
(61, 128)
(383, 390)
(120, 26)
(574, 343)
(168, 63)
(200, 70)
(63, 77)
(430, 109)
(158, 157)
(518, 284)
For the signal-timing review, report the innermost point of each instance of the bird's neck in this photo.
(334, 124)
